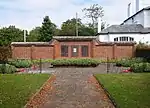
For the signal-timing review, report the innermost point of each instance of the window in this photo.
(84, 51)
(74, 50)
(131, 39)
(124, 39)
(116, 39)
(64, 51)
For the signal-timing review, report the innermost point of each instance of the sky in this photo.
(28, 14)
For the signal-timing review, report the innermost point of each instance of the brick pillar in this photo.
(32, 53)
(133, 50)
(114, 51)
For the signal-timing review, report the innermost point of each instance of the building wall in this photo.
(141, 18)
(137, 19)
(147, 18)
(137, 37)
(69, 44)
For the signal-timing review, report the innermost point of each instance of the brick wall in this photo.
(53, 51)
(58, 44)
(113, 50)
(32, 52)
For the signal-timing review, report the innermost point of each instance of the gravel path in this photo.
(72, 89)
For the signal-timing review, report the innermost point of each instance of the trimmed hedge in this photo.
(140, 67)
(129, 62)
(7, 69)
(21, 63)
(75, 62)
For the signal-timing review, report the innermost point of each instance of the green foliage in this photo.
(7, 69)
(68, 27)
(34, 35)
(47, 30)
(17, 89)
(43, 61)
(140, 67)
(5, 53)
(21, 63)
(129, 62)
(128, 90)
(142, 45)
(75, 62)
(10, 34)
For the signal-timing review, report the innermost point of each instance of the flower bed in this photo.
(75, 62)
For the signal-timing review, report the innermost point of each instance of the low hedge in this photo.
(129, 62)
(43, 60)
(7, 69)
(140, 67)
(21, 63)
(75, 62)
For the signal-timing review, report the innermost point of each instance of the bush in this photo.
(129, 62)
(43, 60)
(140, 67)
(6, 68)
(21, 63)
(75, 62)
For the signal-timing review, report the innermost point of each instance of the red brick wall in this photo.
(58, 44)
(113, 51)
(32, 52)
(21, 52)
(53, 51)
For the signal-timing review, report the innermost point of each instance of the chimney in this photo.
(99, 24)
(129, 10)
(137, 5)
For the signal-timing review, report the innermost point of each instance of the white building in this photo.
(135, 28)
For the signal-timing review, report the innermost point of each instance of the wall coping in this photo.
(30, 43)
(74, 38)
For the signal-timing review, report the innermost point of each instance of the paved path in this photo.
(72, 90)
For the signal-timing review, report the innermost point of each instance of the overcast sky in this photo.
(28, 14)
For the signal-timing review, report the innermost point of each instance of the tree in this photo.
(47, 30)
(94, 12)
(34, 35)
(86, 31)
(10, 34)
(68, 27)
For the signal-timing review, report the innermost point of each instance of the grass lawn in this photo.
(15, 90)
(128, 90)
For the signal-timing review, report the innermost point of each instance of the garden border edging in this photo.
(30, 103)
(106, 92)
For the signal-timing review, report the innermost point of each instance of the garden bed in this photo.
(75, 63)
(128, 90)
(16, 89)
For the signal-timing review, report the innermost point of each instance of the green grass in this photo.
(15, 90)
(128, 90)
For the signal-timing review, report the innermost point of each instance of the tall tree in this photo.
(94, 12)
(34, 35)
(10, 34)
(47, 30)
(68, 27)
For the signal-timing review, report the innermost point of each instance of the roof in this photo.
(74, 37)
(146, 8)
(127, 28)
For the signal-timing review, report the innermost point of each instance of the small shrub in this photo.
(21, 63)
(75, 62)
(8, 69)
(43, 60)
(140, 67)
(129, 62)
